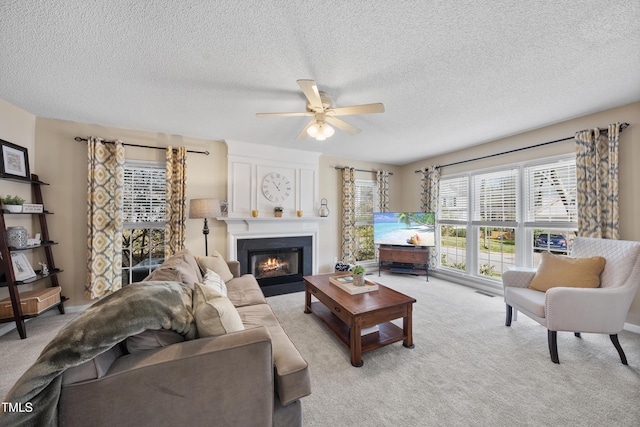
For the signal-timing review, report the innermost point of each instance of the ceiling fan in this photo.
(321, 107)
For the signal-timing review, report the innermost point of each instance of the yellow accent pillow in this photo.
(560, 270)
(215, 314)
(217, 263)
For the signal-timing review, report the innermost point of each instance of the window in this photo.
(365, 200)
(495, 209)
(453, 212)
(144, 220)
(491, 221)
(551, 212)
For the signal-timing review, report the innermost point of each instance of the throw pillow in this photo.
(560, 270)
(213, 280)
(215, 314)
(217, 263)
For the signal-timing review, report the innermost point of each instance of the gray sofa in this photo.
(253, 377)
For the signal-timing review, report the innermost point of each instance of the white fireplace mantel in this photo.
(267, 227)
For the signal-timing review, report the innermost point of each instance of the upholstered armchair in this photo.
(602, 309)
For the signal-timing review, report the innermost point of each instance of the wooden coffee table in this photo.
(346, 315)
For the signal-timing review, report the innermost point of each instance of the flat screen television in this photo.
(404, 228)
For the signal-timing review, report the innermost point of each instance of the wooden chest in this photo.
(33, 302)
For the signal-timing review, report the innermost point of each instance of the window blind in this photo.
(453, 199)
(496, 196)
(550, 193)
(365, 201)
(144, 194)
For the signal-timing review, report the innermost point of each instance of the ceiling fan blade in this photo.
(303, 133)
(306, 113)
(342, 125)
(357, 109)
(310, 90)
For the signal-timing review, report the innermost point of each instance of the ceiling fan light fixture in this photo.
(320, 131)
(312, 130)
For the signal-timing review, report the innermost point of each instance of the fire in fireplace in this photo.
(266, 264)
(277, 263)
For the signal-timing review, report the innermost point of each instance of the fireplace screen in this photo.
(275, 263)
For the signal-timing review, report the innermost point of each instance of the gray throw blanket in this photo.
(129, 311)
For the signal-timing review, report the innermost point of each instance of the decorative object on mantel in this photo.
(299, 213)
(254, 213)
(13, 203)
(204, 208)
(17, 237)
(358, 275)
(278, 211)
(324, 210)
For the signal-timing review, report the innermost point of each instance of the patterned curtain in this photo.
(430, 187)
(382, 178)
(348, 216)
(597, 181)
(104, 217)
(176, 207)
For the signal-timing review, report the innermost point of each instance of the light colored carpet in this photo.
(467, 368)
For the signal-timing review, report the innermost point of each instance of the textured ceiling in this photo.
(450, 73)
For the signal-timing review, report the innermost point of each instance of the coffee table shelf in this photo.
(387, 334)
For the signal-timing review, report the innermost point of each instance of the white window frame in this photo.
(523, 229)
(152, 219)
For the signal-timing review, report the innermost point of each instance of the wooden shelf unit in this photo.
(6, 266)
(407, 260)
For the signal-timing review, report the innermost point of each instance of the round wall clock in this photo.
(276, 187)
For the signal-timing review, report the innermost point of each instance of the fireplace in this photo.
(278, 263)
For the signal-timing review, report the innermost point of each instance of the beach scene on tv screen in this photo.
(404, 228)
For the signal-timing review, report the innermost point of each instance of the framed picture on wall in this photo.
(14, 161)
(21, 267)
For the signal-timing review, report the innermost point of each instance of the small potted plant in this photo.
(358, 275)
(12, 204)
(278, 211)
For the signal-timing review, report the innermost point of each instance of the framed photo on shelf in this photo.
(14, 161)
(21, 267)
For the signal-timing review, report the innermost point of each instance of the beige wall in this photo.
(18, 127)
(629, 160)
(331, 189)
(61, 161)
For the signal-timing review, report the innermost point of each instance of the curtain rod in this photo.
(602, 130)
(80, 139)
(359, 170)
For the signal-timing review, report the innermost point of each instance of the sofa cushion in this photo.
(152, 339)
(215, 314)
(529, 301)
(217, 263)
(560, 270)
(292, 376)
(214, 281)
(94, 368)
(244, 290)
(180, 267)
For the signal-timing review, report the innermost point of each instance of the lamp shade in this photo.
(204, 208)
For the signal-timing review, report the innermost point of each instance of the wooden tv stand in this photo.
(403, 260)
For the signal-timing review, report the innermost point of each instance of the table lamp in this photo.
(204, 208)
